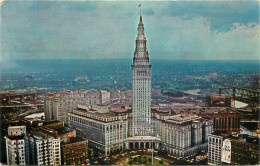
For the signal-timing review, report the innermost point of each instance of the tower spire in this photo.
(140, 6)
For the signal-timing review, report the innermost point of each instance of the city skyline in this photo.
(105, 30)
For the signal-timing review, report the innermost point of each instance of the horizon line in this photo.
(131, 59)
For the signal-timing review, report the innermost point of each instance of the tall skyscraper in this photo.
(141, 85)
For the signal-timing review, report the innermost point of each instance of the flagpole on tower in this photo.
(140, 6)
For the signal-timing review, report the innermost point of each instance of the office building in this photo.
(75, 152)
(215, 143)
(111, 131)
(44, 149)
(17, 146)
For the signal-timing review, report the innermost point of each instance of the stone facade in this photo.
(111, 131)
(104, 131)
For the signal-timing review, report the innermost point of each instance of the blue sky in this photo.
(107, 30)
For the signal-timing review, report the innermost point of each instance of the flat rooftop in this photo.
(207, 110)
(96, 113)
(64, 130)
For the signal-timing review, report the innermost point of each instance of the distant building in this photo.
(104, 97)
(221, 100)
(156, 92)
(128, 94)
(82, 79)
(17, 146)
(224, 119)
(75, 152)
(213, 74)
(57, 105)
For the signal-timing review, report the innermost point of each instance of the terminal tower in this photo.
(141, 86)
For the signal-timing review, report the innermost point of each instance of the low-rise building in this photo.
(243, 150)
(231, 148)
(75, 152)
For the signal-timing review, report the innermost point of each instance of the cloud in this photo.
(222, 15)
(96, 30)
(194, 39)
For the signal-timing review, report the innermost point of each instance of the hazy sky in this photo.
(96, 30)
